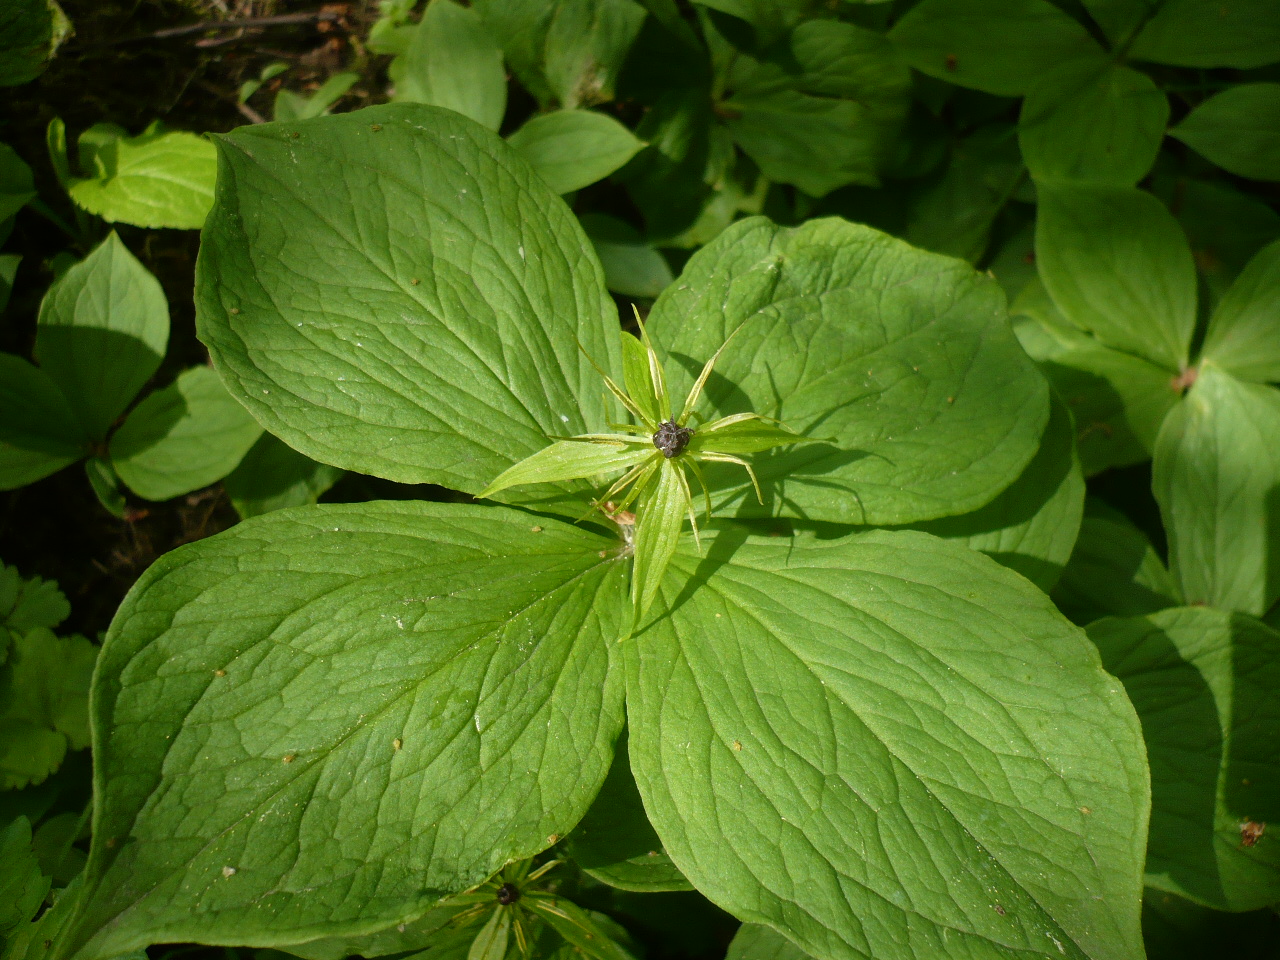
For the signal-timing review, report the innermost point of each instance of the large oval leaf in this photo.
(323, 720)
(889, 746)
(394, 291)
(904, 359)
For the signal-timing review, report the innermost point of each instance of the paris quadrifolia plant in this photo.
(658, 453)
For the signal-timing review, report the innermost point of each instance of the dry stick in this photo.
(282, 19)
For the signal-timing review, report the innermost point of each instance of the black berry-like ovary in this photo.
(671, 438)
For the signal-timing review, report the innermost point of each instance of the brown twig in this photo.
(281, 19)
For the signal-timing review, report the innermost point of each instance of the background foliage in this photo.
(1112, 164)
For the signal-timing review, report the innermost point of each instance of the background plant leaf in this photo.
(186, 436)
(1216, 477)
(39, 432)
(1238, 129)
(826, 119)
(1113, 571)
(1117, 400)
(615, 843)
(1093, 122)
(454, 62)
(104, 328)
(1203, 683)
(1227, 33)
(572, 149)
(155, 179)
(273, 475)
(1000, 46)
(1117, 264)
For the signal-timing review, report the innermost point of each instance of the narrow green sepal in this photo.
(638, 380)
(658, 521)
(743, 433)
(571, 460)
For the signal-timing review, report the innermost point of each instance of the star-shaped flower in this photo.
(656, 454)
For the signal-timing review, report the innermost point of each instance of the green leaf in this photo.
(909, 370)
(1203, 683)
(1238, 129)
(865, 743)
(17, 184)
(105, 483)
(491, 942)
(1119, 19)
(53, 844)
(454, 62)
(1031, 527)
(1244, 333)
(659, 520)
(9, 263)
(186, 436)
(272, 476)
(1224, 33)
(408, 658)
(578, 927)
(104, 327)
(437, 931)
(29, 752)
(1117, 264)
(1226, 227)
(771, 18)
(39, 434)
(50, 676)
(29, 603)
(829, 116)
(572, 149)
(1113, 571)
(1000, 46)
(45, 707)
(615, 843)
(1216, 470)
(638, 378)
(586, 45)
(954, 214)
(755, 941)
(1176, 929)
(22, 886)
(31, 32)
(632, 267)
(292, 106)
(743, 433)
(1093, 122)
(573, 460)
(151, 180)
(306, 297)
(1118, 401)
